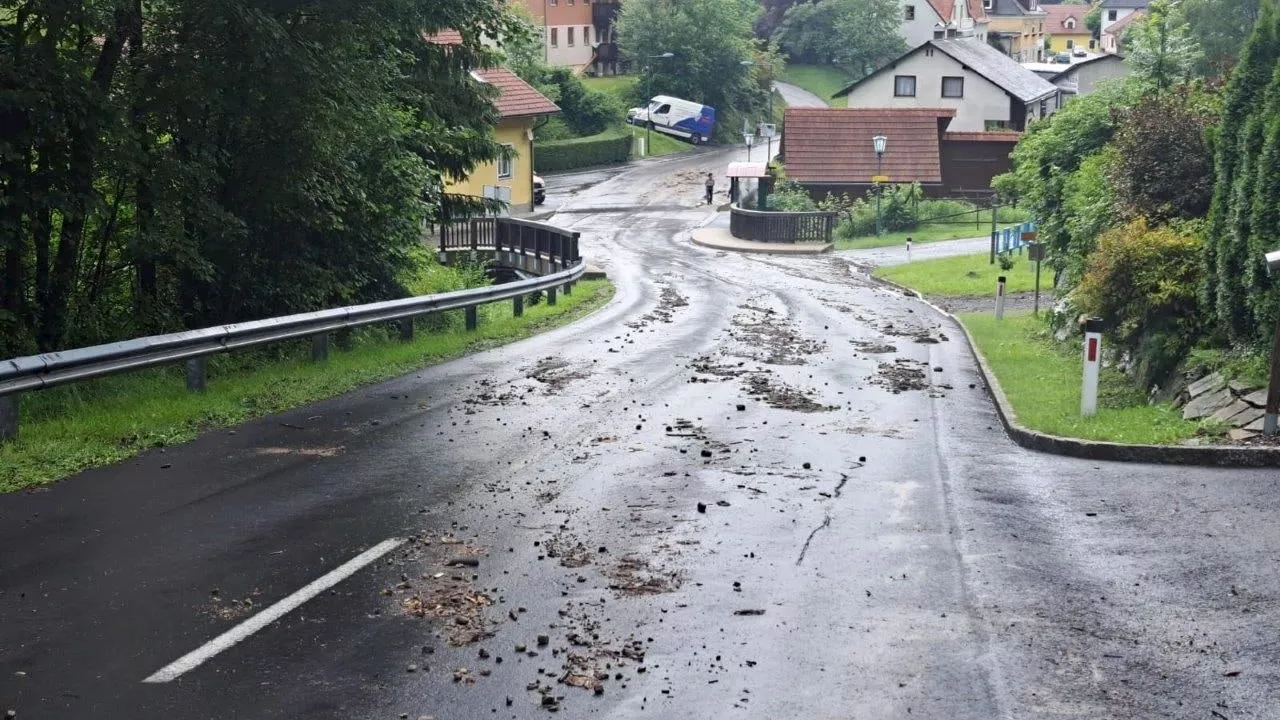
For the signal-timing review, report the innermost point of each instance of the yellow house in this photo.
(510, 178)
(519, 105)
(1017, 28)
(1065, 29)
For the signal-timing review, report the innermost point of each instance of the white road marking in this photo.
(227, 640)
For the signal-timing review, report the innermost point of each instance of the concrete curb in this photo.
(1211, 455)
(710, 238)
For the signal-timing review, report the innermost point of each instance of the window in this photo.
(1111, 16)
(1044, 108)
(904, 85)
(995, 125)
(570, 3)
(937, 34)
(1069, 23)
(570, 43)
(663, 109)
(987, 4)
(1070, 43)
(909, 12)
(553, 2)
(555, 37)
(952, 87)
(507, 161)
(1092, 43)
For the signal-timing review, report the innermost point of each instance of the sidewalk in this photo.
(714, 236)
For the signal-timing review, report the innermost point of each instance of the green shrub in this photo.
(1142, 282)
(584, 111)
(581, 152)
(790, 197)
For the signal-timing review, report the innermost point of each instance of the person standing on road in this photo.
(711, 186)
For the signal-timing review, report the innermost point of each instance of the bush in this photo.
(581, 152)
(1143, 282)
(790, 197)
(584, 111)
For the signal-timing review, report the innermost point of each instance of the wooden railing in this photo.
(781, 227)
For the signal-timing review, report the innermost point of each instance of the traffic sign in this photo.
(880, 178)
(1028, 236)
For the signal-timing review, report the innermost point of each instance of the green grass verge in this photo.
(618, 86)
(821, 80)
(1008, 217)
(72, 428)
(964, 276)
(1041, 379)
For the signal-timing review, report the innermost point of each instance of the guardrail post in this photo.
(568, 288)
(320, 347)
(469, 313)
(9, 417)
(406, 329)
(551, 296)
(197, 374)
(517, 306)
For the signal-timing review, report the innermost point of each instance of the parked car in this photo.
(673, 116)
(1080, 52)
(539, 190)
(1063, 57)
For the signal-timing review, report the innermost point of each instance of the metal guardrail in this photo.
(540, 248)
(780, 227)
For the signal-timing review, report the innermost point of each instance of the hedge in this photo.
(581, 152)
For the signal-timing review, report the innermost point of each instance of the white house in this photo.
(1081, 77)
(1113, 11)
(929, 19)
(987, 89)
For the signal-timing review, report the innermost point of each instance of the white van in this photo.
(673, 116)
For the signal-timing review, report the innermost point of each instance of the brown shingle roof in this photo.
(516, 97)
(833, 145)
(945, 8)
(1056, 15)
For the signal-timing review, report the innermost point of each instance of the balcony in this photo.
(603, 14)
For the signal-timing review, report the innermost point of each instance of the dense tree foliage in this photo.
(1162, 169)
(858, 35)
(1220, 28)
(181, 163)
(713, 53)
(1237, 291)
(771, 16)
(1162, 50)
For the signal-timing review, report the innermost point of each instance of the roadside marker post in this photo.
(1000, 297)
(1271, 414)
(1035, 252)
(1092, 363)
(908, 249)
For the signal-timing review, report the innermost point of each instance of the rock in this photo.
(1207, 384)
(806, 466)
(543, 640)
(1257, 398)
(741, 407)
(1256, 425)
(722, 503)
(484, 654)
(1245, 417)
(1240, 388)
(464, 561)
(702, 507)
(1207, 403)
(1230, 411)
(706, 453)
(1240, 434)
(751, 611)
(411, 668)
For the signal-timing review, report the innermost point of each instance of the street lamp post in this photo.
(878, 143)
(1269, 420)
(648, 98)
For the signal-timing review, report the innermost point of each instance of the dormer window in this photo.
(1069, 23)
(988, 4)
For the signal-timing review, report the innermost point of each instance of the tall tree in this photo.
(712, 53)
(1223, 293)
(858, 35)
(1163, 50)
(1220, 27)
(176, 163)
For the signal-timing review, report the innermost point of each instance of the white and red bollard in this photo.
(1000, 297)
(1092, 364)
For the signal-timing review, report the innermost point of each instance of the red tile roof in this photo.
(944, 9)
(1005, 136)
(833, 145)
(444, 37)
(1056, 15)
(516, 97)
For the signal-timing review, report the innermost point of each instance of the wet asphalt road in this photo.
(909, 560)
